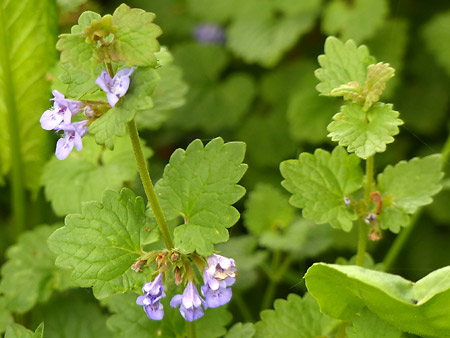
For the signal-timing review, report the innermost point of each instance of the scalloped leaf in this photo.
(320, 181)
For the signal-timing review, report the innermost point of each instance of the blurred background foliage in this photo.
(255, 83)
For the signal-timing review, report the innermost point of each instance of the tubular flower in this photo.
(190, 303)
(153, 292)
(116, 87)
(73, 133)
(62, 111)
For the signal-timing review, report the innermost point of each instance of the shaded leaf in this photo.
(368, 325)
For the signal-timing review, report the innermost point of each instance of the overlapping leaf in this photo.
(368, 325)
(365, 133)
(320, 181)
(420, 308)
(200, 184)
(102, 243)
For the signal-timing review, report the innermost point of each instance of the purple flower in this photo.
(73, 133)
(115, 87)
(220, 273)
(190, 302)
(153, 292)
(62, 111)
(209, 34)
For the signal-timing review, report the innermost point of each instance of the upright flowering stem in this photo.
(362, 240)
(148, 186)
(190, 330)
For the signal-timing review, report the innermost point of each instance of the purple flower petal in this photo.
(104, 81)
(190, 303)
(65, 145)
(216, 298)
(154, 311)
(62, 111)
(153, 291)
(116, 87)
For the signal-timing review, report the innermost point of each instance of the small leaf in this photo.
(18, 331)
(319, 184)
(420, 308)
(295, 317)
(365, 133)
(377, 77)
(135, 40)
(408, 186)
(102, 243)
(85, 175)
(341, 64)
(240, 330)
(200, 184)
(349, 91)
(29, 276)
(368, 325)
(113, 123)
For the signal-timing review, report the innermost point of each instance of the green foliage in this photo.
(356, 20)
(342, 63)
(85, 175)
(240, 330)
(406, 187)
(27, 31)
(5, 315)
(18, 331)
(113, 123)
(365, 132)
(320, 181)
(200, 184)
(30, 276)
(295, 317)
(419, 308)
(368, 325)
(102, 243)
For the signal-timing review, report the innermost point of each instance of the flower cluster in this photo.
(59, 117)
(217, 276)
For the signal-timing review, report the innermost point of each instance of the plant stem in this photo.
(362, 238)
(190, 330)
(271, 287)
(245, 311)
(148, 186)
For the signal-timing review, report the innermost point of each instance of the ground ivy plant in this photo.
(154, 261)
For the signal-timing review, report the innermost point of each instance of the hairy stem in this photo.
(190, 330)
(148, 186)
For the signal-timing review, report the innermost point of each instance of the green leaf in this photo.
(240, 330)
(420, 308)
(113, 123)
(319, 184)
(434, 32)
(295, 317)
(377, 77)
(408, 186)
(261, 34)
(267, 209)
(341, 64)
(200, 184)
(365, 132)
(135, 40)
(368, 325)
(101, 244)
(129, 320)
(18, 331)
(6, 317)
(213, 10)
(27, 37)
(85, 175)
(72, 315)
(29, 276)
(357, 20)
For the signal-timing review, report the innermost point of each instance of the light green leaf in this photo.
(368, 325)
(240, 330)
(200, 184)
(434, 32)
(31, 267)
(77, 82)
(341, 64)
(6, 317)
(18, 331)
(358, 20)
(72, 315)
(113, 123)
(267, 209)
(377, 77)
(85, 175)
(420, 308)
(408, 186)
(319, 184)
(135, 40)
(259, 35)
(295, 317)
(213, 10)
(365, 133)
(27, 37)
(101, 244)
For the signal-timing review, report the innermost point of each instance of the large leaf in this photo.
(421, 308)
(319, 183)
(200, 184)
(27, 37)
(368, 325)
(103, 242)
